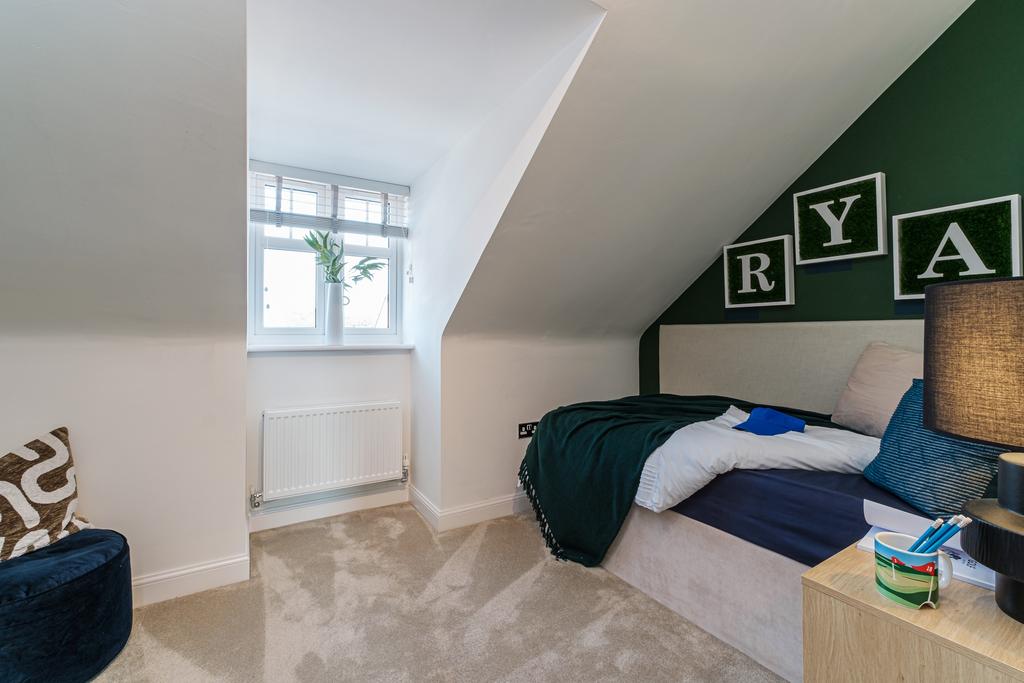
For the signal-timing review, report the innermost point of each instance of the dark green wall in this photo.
(949, 130)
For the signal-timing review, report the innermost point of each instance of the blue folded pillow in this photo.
(936, 473)
(769, 422)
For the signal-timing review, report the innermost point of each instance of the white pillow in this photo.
(876, 385)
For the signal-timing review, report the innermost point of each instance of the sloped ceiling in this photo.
(383, 89)
(685, 120)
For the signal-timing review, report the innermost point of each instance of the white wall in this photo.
(122, 268)
(122, 172)
(291, 380)
(456, 205)
(156, 434)
(492, 384)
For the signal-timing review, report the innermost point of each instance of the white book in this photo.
(883, 518)
(891, 519)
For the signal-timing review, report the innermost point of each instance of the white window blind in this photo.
(347, 205)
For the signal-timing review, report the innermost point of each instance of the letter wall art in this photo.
(847, 220)
(759, 273)
(844, 220)
(977, 240)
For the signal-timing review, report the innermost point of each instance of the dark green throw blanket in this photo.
(583, 466)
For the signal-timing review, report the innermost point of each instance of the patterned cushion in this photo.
(933, 472)
(38, 494)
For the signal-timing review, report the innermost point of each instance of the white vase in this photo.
(334, 322)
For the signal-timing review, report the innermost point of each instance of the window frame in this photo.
(260, 241)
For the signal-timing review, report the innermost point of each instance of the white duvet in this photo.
(699, 452)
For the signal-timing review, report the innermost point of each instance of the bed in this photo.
(804, 515)
(729, 558)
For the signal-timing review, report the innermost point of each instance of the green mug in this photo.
(909, 579)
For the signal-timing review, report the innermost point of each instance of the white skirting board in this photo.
(173, 583)
(260, 521)
(464, 515)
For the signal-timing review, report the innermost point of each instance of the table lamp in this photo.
(974, 389)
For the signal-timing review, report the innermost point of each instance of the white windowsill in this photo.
(258, 347)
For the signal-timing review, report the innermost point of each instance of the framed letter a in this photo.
(759, 273)
(972, 241)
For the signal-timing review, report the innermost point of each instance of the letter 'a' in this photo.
(965, 252)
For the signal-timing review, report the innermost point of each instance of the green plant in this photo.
(330, 255)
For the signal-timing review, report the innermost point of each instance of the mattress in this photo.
(807, 516)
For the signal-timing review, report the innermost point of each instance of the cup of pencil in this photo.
(910, 571)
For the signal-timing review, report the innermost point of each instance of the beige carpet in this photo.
(376, 596)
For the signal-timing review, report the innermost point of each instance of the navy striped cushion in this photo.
(935, 473)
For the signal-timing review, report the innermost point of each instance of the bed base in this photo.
(741, 593)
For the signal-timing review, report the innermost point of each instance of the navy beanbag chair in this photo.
(65, 609)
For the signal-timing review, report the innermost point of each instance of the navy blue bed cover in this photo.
(805, 515)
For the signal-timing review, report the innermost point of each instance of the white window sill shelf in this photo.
(319, 348)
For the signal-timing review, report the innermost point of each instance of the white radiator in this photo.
(309, 450)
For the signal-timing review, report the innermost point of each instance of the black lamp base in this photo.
(1010, 596)
(996, 537)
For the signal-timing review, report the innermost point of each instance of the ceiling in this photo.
(383, 89)
(685, 120)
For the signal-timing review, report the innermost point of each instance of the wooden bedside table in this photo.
(851, 633)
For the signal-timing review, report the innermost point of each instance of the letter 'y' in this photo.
(835, 225)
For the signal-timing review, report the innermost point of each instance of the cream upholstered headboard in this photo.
(801, 365)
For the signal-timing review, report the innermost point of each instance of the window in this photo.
(287, 289)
